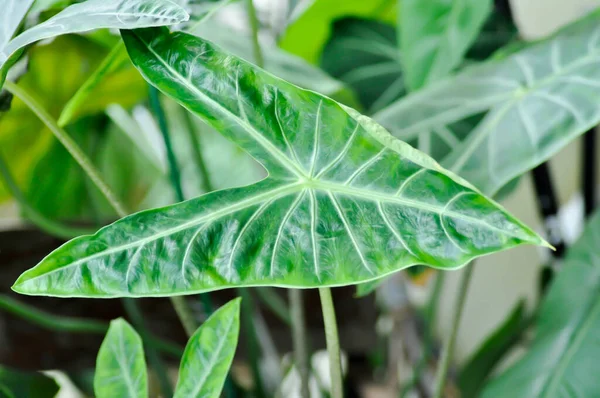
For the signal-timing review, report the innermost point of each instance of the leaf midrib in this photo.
(278, 193)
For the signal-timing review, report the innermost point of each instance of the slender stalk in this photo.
(207, 185)
(52, 227)
(184, 312)
(449, 346)
(50, 321)
(69, 144)
(333, 343)
(248, 309)
(257, 52)
(275, 303)
(299, 339)
(157, 364)
(209, 14)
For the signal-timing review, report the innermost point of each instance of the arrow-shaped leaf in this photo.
(209, 353)
(344, 201)
(121, 367)
(534, 101)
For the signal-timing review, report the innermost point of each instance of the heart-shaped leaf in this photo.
(535, 102)
(94, 14)
(209, 353)
(120, 366)
(344, 201)
(561, 359)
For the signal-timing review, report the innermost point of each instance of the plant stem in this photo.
(197, 153)
(275, 303)
(161, 371)
(248, 309)
(183, 310)
(69, 144)
(257, 52)
(75, 325)
(209, 14)
(52, 227)
(333, 343)
(299, 339)
(449, 346)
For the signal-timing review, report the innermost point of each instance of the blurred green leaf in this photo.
(16, 384)
(308, 34)
(562, 358)
(121, 367)
(475, 372)
(436, 34)
(209, 353)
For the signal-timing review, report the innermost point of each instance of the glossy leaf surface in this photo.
(435, 35)
(561, 361)
(13, 12)
(534, 101)
(120, 366)
(209, 353)
(96, 14)
(344, 201)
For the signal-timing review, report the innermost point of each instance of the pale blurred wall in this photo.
(500, 280)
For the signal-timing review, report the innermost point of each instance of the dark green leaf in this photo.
(435, 35)
(561, 361)
(209, 353)
(476, 371)
(344, 201)
(121, 367)
(16, 384)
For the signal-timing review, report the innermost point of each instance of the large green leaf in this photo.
(96, 14)
(344, 201)
(435, 35)
(209, 353)
(16, 384)
(537, 100)
(120, 366)
(561, 361)
(13, 12)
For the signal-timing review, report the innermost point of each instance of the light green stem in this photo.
(257, 52)
(185, 314)
(333, 343)
(209, 14)
(207, 185)
(254, 353)
(274, 303)
(300, 340)
(69, 144)
(449, 346)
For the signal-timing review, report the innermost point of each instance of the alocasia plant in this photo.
(344, 202)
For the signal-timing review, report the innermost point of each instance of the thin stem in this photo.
(248, 309)
(333, 343)
(209, 14)
(184, 312)
(275, 303)
(463, 288)
(52, 227)
(69, 144)
(197, 153)
(299, 339)
(257, 52)
(60, 323)
(157, 364)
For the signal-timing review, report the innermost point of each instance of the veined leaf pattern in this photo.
(555, 83)
(344, 201)
(96, 14)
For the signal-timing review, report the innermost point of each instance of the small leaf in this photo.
(97, 14)
(562, 359)
(121, 367)
(435, 35)
(16, 384)
(344, 201)
(209, 353)
(534, 102)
